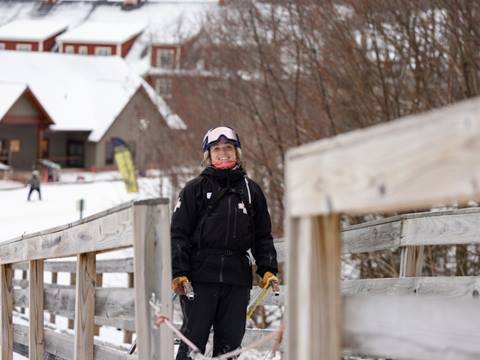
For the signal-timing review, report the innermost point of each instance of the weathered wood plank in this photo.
(113, 231)
(6, 308)
(455, 287)
(411, 261)
(36, 339)
(85, 307)
(152, 275)
(374, 236)
(61, 344)
(412, 327)
(103, 266)
(314, 273)
(113, 306)
(448, 229)
(403, 164)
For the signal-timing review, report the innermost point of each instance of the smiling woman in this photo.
(220, 216)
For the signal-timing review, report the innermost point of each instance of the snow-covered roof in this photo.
(102, 32)
(31, 30)
(83, 93)
(167, 21)
(9, 94)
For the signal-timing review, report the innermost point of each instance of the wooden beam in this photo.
(36, 338)
(85, 307)
(412, 327)
(411, 261)
(113, 306)
(404, 164)
(100, 233)
(467, 287)
(313, 300)
(54, 281)
(62, 344)
(152, 260)
(6, 308)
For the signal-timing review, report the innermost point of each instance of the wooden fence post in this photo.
(85, 306)
(73, 282)
(36, 334)
(411, 261)
(152, 265)
(313, 278)
(127, 335)
(54, 281)
(6, 298)
(98, 284)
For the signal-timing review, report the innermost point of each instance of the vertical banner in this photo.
(124, 161)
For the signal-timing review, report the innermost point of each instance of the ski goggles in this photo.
(213, 135)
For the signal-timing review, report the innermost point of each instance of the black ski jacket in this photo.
(218, 217)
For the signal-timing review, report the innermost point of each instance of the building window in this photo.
(2, 46)
(83, 50)
(69, 49)
(166, 58)
(24, 47)
(103, 50)
(4, 151)
(164, 87)
(109, 153)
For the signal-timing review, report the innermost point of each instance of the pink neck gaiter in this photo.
(223, 165)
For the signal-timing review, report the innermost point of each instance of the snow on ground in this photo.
(59, 203)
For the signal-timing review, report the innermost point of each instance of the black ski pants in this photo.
(219, 305)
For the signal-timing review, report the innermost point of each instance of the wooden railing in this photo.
(414, 163)
(143, 225)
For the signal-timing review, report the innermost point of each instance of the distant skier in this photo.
(34, 185)
(219, 216)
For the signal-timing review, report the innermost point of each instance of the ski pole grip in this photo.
(187, 286)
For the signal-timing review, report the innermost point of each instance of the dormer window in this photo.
(24, 47)
(103, 50)
(165, 58)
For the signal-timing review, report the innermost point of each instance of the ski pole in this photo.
(276, 290)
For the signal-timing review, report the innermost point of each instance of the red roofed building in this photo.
(30, 35)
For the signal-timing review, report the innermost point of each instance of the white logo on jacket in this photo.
(178, 204)
(241, 206)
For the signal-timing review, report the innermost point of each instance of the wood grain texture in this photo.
(412, 327)
(61, 345)
(36, 338)
(403, 164)
(6, 308)
(113, 231)
(467, 287)
(314, 302)
(85, 307)
(152, 275)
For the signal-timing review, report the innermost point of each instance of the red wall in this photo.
(11, 45)
(126, 46)
(90, 48)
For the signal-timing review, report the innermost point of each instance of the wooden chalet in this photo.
(30, 35)
(67, 109)
(100, 38)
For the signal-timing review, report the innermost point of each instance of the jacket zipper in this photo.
(235, 212)
(221, 268)
(228, 220)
